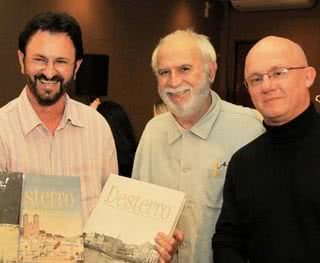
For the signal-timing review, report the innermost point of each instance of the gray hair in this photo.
(207, 50)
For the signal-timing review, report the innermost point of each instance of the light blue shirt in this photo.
(195, 162)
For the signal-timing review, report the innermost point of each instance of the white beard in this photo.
(198, 96)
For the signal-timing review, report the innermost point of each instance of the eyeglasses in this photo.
(275, 74)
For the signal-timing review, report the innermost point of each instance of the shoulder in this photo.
(7, 110)
(240, 112)
(86, 114)
(251, 150)
(242, 121)
(158, 128)
(92, 124)
(160, 121)
(81, 107)
(245, 124)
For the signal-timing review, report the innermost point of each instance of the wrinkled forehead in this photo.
(274, 52)
(178, 51)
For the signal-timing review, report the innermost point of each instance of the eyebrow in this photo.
(272, 68)
(185, 65)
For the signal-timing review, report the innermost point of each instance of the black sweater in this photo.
(271, 209)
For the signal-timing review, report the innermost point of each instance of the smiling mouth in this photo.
(175, 94)
(271, 99)
(48, 81)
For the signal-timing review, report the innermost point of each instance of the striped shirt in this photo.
(81, 146)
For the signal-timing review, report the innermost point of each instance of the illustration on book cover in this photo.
(126, 219)
(51, 222)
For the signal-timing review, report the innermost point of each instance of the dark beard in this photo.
(48, 101)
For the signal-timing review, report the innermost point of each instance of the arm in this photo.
(142, 169)
(112, 161)
(228, 242)
(3, 155)
(110, 153)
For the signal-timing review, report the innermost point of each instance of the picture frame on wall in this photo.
(240, 93)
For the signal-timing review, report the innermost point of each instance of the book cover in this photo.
(126, 219)
(51, 220)
(10, 203)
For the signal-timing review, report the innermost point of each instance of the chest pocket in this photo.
(215, 181)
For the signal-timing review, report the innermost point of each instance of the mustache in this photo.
(176, 90)
(44, 77)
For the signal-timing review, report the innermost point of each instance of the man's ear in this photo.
(78, 63)
(21, 61)
(212, 69)
(310, 76)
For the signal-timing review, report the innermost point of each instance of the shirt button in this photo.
(185, 169)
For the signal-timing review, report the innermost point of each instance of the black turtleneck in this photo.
(271, 209)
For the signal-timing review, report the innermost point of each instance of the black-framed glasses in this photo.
(274, 74)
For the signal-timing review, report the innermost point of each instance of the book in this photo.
(128, 215)
(10, 203)
(51, 220)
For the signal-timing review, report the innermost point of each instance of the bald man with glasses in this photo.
(271, 208)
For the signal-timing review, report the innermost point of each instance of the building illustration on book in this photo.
(51, 222)
(129, 214)
(37, 245)
(101, 248)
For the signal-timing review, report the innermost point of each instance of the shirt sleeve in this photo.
(111, 161)
(142, 161)
(229, 241)
(3, 155)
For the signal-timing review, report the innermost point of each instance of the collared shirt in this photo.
(195, 161)
(81, 146)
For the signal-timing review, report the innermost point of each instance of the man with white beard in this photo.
(189, 147)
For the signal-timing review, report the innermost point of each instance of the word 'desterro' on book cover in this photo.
(51, 220)
(10, 204)
(129, 214)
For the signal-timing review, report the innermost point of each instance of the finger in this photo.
(166, 242)
(178, 235)
(163, 253)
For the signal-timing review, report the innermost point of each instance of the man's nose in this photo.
(49, 70)
(266, 84)
(175, 79)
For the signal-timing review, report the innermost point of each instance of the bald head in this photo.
(275, 51)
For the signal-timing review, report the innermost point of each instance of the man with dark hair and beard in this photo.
(189, 147)
(43, 131)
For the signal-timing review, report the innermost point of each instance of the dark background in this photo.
(127, 31)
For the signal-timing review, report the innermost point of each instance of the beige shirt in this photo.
(81, 146)
(195, 161)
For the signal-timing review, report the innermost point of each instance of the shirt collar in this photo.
(30, 120)
(203, 127)
(71, 114)
(294, 130)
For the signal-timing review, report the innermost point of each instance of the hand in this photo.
(168, 246)
(95, 103)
